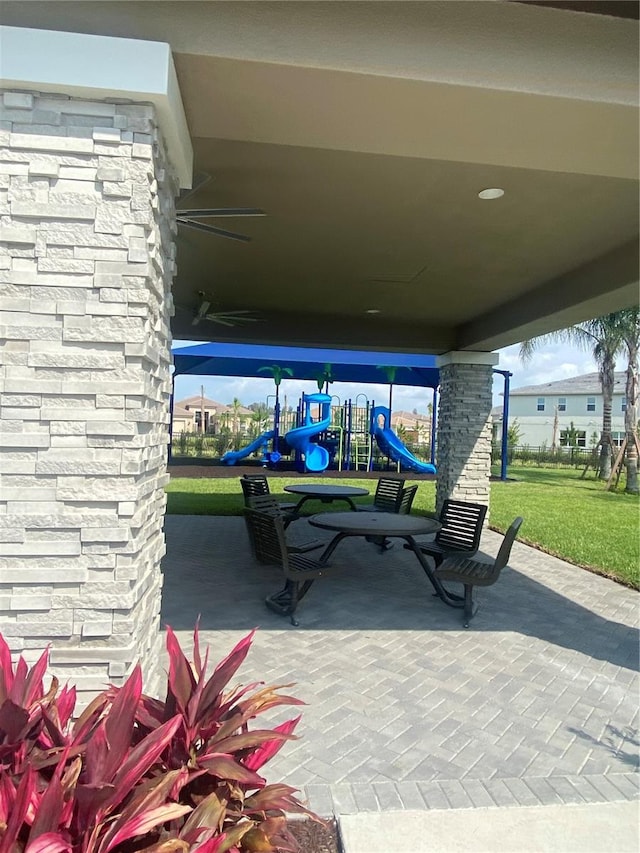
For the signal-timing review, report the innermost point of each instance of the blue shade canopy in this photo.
(346, 365)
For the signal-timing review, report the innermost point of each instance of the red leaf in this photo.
(49, 842)
(225, 670)
(197, 660)
(47, 818)
(270, 748)
(7, 797)
(6, 670)
(119, 722)
(249, 740)
(89, 718)
(142, 757)
(181, 680)
(18, 813)
(141, 824)
(19, 680)
(13, 720)
(226, 767)
(97, 757)
(65, 704)
(33, 685)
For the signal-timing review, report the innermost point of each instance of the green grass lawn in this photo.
(563, 515)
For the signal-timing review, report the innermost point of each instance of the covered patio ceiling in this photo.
(366, 131)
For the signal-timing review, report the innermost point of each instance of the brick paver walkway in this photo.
(536, 703)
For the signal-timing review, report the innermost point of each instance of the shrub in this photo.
(134, 773)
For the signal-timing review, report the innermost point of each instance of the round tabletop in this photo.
(321, 490)
(375, 523)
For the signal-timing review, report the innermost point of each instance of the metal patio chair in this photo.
(472, 573)
(402, 507)
(387, 497)
(255, 485)
(267, 503)
(460, 533)
(270, 543)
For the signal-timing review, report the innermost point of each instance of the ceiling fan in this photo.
(188, 217)
(224, 318)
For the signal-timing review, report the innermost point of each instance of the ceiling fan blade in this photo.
(202, 311)
(216, 318)
(231, 316)
(202, 212)
(210, 229)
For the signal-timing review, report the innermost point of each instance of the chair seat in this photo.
(303, 547)
(301, 567)
(467, 571)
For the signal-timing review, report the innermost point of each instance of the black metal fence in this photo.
(559, 457)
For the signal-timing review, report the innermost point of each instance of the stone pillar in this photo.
(87, 223)
(464, 427)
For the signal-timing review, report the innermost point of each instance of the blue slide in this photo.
(391, 446)
(232, 456)
(316, 458)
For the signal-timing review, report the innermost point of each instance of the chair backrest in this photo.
(389, 493)
(253, 485)
(264, 503)
(461, 525)
(406, 500)
(505, 549)
(267, 536)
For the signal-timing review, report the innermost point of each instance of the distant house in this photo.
(415, 428)
(546, 412)
(188, 413)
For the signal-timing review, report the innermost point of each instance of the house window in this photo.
(591, 404)
(540, 406)
(623, 404)
(573, 437)
(198, 420)
(617, 438)
(562, 404)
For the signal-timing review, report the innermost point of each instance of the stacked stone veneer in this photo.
(86, 262)
(464, 433)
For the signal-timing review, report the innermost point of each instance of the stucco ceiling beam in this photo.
(609, 283)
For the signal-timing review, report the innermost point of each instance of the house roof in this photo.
(410, 419)
(197, 401)
(220, 408)
(587, 383)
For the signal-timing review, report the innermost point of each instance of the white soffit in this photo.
(103, 68)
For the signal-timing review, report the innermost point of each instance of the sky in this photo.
(552, 362)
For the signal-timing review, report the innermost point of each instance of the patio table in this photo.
(326, 493)
(384, 525)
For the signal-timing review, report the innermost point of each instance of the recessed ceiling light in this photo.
(491, 192)
(372, 311)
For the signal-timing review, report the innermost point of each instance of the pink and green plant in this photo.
(133, 773)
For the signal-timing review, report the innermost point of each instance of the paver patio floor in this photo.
(536, 703)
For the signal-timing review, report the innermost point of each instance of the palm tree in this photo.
(259, 419)
(235, 409)
(324, 377)
(603, 338)
(277, 373)
(630, 331)
(390, 373)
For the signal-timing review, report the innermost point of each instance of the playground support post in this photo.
(504, 453)
(171, 399)
(434, 418)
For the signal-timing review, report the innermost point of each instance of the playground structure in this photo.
(349, 439)
(354, 435)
